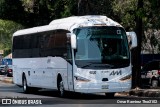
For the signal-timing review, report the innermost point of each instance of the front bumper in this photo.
(102, 87)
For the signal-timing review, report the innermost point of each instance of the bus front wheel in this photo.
(109, 95)
(61, 88)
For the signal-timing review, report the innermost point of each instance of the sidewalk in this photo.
(154, 93)
(6, 79)
(150, 93)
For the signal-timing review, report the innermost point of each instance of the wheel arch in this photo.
(23, 76)
(59, 78)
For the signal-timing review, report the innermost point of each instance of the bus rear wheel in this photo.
(25, 86)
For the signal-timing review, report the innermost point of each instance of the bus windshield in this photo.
(101, 47)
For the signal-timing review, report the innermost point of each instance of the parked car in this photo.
(9, 71)
(150, 74)
(2, 70)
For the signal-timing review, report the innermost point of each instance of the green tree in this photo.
(7, 28)
(41, 12)
(94, 7)
(33, 10)
(11, 10)
(62, 8)
(125, 12)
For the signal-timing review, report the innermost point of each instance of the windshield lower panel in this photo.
(101, 47)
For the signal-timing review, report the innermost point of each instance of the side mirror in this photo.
(132, 37)
(73, 40)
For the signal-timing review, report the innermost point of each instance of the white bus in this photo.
(86, 54)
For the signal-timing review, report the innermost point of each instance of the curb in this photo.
(122, 94)
(154, 93)
(5, 79)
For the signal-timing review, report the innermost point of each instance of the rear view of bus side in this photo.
(86, 54)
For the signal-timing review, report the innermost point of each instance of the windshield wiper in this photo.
(98, 65)
(87, 65)
(104, 65)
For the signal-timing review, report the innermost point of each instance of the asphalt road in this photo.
(49, 98)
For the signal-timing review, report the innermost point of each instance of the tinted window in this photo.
(51, 43)
(154, 65)
(18, 42)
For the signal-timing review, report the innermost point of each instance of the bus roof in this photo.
(34, 30)
(70, 23)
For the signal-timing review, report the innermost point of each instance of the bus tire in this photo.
(25, 86)
(109, 95)
(61, 88)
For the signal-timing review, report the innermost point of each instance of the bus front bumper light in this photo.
(81, 79)
(128, 77)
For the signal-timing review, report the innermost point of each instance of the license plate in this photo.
(105, 86)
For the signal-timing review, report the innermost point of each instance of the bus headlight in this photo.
(81, 79)
(128, 77)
